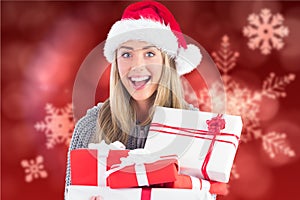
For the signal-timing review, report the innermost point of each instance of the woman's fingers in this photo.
(96, 197)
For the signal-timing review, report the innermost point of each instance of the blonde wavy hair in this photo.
(117, 116)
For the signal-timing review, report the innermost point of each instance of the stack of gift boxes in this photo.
(188, 154)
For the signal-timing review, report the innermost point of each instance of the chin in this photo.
(143, 94)
(141, 97)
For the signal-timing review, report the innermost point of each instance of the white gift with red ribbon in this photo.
(106, 193)
(206, 143)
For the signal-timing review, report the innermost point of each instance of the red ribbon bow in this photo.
(216, 124)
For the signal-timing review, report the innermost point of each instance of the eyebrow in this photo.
(131, 48)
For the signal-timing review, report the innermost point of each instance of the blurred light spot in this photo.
(20, 101)
(13, 62)
(268, 109)
(9, 184)
(48, 68)
(24, 137)
(289, 55)
(12, 105)
(255, 179)
(274, 6)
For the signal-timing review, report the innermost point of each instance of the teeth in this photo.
(142, 78)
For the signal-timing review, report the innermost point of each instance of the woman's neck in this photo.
(142, 109)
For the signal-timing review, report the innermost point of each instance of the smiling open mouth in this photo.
(139, 82)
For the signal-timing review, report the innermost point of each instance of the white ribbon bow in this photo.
(117, 145)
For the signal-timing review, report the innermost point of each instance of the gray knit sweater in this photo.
(85, 133)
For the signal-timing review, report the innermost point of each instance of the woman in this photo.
(148, 53)
(142, 77)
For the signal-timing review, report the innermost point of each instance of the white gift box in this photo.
(86, 192)
(186, 134)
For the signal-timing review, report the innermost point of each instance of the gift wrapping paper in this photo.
(204, 151)
(85, 192)
(144, 174)
(88, 167)
(189, 182)
(103, 165)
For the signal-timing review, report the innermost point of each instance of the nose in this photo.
(138, 63)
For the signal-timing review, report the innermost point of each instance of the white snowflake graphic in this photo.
(265, 31)
(58, 125)
(34, 168)
(274, 143)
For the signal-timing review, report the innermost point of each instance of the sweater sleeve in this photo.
(83, 133)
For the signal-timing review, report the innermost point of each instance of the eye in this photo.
(126, 55)
(150, 54)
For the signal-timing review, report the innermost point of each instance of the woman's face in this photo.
(140, 68)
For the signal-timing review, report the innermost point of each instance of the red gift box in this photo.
(188, 182)
(163, 170)
(85, 165)
(89, 167)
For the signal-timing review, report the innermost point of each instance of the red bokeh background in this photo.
(44, 43)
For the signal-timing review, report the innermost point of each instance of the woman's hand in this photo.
(96, 198)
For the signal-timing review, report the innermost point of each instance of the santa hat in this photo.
(152, 22)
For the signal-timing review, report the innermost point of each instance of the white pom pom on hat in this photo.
(152, 22)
